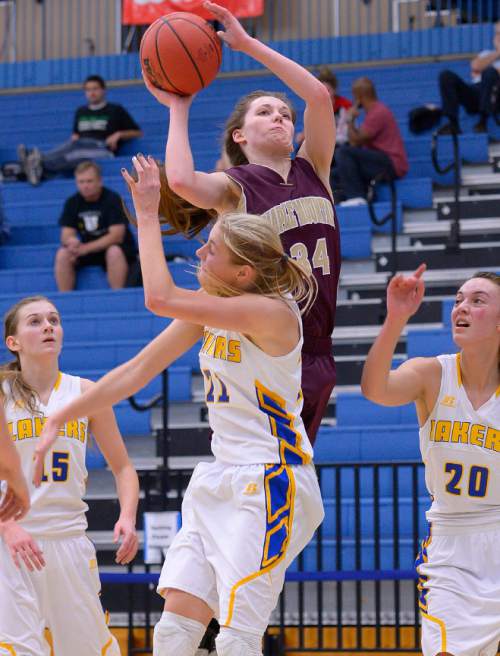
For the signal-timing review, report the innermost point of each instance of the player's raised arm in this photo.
(319, 121)
(378, 382)
(205, 190)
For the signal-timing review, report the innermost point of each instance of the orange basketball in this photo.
(181, 53)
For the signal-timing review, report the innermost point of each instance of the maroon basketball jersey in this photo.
(304, 215)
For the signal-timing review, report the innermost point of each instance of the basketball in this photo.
(180, 53)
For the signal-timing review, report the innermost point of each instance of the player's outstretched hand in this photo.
(125, 532)
(47, 438)
(233, 34)
(22, 547)
(16, 500)
(146, 189)
(405, 293)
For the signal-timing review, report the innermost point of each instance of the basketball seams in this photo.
(194, 62)
(158, 58)
(210, 34)
(195, 66)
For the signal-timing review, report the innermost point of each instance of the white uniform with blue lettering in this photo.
(246, 516)
(459, 563)
(64, 596)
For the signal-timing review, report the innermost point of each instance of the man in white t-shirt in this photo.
(479, 97)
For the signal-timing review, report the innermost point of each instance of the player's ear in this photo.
(238, 136)
(12, 343)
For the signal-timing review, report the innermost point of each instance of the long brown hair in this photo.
(176, 214)
(253, 240)
(11, 373)
(237, 118)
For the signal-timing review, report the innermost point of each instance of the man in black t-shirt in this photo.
(98, 128)
(94, 231)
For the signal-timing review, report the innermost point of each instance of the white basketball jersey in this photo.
(57, 508)
(254, 400)
(461, 450)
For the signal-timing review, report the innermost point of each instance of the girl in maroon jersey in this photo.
(294, 194)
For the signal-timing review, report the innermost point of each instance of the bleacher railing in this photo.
(58, 29)
(453, 241)
(353, 589)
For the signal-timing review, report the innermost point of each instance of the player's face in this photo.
(39, 331)
(216, 263)
(89, 184)
(475, 317)
(94, 93)
(268, 126)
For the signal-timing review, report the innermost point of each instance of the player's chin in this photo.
(461, 336)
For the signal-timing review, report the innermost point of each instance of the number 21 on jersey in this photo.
(215, 388)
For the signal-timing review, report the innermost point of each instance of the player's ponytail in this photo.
(254, 240)
(12, 383)
(176, 214)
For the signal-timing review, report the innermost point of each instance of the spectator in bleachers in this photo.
(94, 231)
(98, 129)
(375, 149)
(478, 97)
(340, 105)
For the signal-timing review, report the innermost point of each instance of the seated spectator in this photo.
(478, 97)
(375, 149)
(98, 129)
(94, 231)
(340, 105)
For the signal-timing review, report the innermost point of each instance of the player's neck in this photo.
(479, 369)
(41, 375)
(279, 163)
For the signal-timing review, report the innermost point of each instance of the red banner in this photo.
(144, 12)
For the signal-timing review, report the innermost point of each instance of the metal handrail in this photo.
(160, 399)
(390, 216)
(453, 241)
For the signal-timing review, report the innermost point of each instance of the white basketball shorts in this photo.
(241, 528)
(459, 592)
(63, 597)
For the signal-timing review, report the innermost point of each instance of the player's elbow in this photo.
(155, 303)
(371, 390)
(180, 183)
(319, 95)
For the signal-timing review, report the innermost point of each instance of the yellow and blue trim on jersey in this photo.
(282, 425)
(422, 557)
(423, 590)
(279, 486)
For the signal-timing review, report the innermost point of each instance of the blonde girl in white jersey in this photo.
(457, 397)
(249, 513)
(48, 568)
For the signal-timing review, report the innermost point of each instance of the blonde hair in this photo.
(236, 120)
(19, 390)
(253, 240)
(88, 165)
